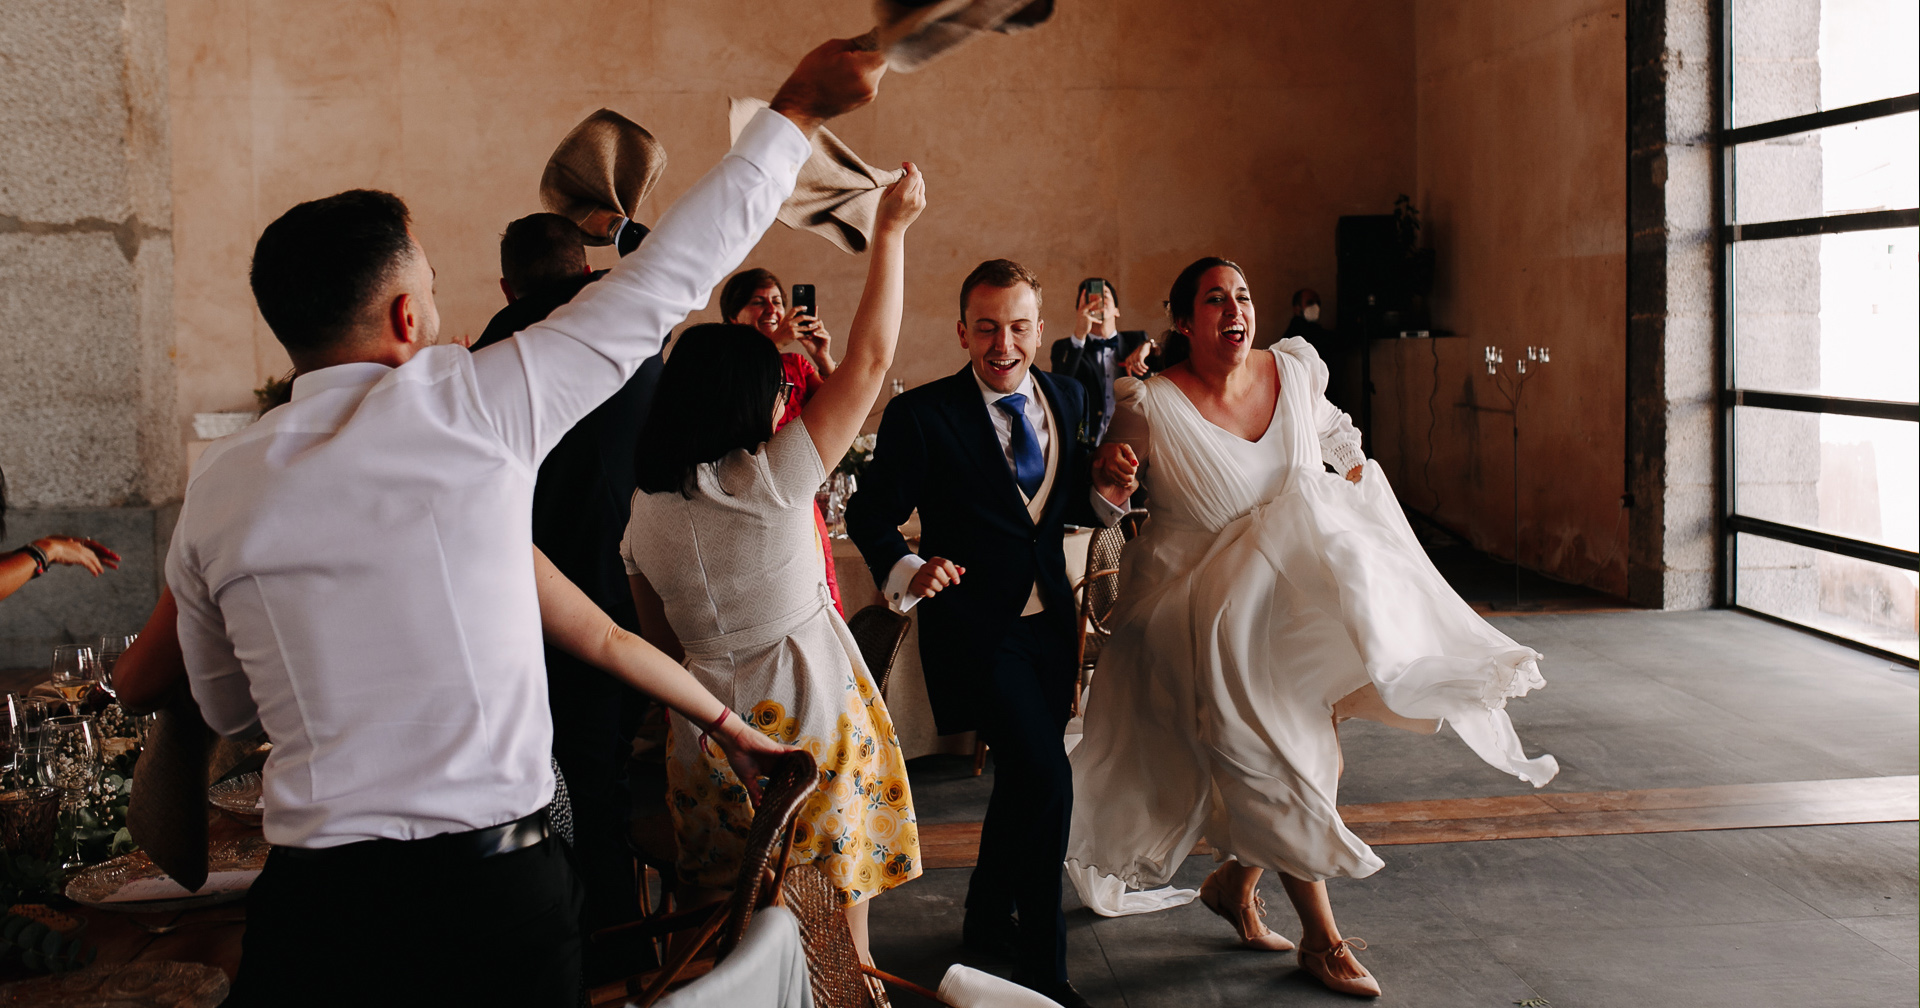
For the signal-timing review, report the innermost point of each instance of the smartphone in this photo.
(803, 300)
(1096, 288)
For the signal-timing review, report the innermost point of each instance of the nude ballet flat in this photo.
(1317, 964)
(1254, 933)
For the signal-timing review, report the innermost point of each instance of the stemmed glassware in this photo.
(70, 759)
(112, 646)
(75, 670)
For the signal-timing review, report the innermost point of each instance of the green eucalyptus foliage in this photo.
(39, 947)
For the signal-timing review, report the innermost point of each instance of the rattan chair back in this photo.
(879, 631)
(764, 863)
(832, 963)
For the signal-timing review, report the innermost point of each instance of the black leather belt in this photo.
(471, 845)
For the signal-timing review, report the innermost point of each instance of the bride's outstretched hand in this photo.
(1354, 474)
(1116, 472)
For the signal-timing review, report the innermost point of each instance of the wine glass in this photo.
(70, 759)
(112, 646)
(74, 670)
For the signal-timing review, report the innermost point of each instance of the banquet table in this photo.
(907, 688)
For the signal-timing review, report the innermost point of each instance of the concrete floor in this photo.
(1800, 917)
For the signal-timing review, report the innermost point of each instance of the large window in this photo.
(1821, 363)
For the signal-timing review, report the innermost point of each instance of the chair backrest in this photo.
(764, 862)
(1103, 573)
(833, 965)
(879, 631)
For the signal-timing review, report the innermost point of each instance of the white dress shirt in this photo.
(355, 570)
(1041, 419)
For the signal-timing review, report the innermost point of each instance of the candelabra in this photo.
(1510, 386)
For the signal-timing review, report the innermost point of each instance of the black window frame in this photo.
(1732, 523)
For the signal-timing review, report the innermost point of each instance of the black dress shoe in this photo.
(990, 935)
(1059, 991)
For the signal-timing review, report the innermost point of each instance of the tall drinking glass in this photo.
(74, 670)
(70, 759)
(112, 646)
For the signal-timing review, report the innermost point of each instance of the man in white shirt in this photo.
(997, 459)
(354, 575)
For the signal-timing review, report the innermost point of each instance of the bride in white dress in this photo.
(1266, 600)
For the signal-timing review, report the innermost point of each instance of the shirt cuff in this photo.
(773, 144)
(1344, 455)
(1079, 342)
(898, 598)
(1105, 510)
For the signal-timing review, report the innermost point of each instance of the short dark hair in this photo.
(1300, 296)
(1186, 287)
(742, 286)
(998, 273)
(319, 266)
(715, 396)
(1112, 288)
(541, 249)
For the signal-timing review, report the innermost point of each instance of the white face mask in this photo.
(1311, 313)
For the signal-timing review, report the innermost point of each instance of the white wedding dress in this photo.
(1265, 598)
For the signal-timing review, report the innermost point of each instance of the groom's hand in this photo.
(934, 575)
(1116, 473)
(832, 80)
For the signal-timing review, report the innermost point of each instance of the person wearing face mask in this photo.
(1304, 324)
(992, 459)
(1266, 601)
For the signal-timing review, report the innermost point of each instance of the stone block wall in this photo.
(87, 432)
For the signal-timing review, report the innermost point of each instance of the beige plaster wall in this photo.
(1123, 139)
(1521, 176)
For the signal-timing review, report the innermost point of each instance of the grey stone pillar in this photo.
(1672, 303)
(88, 437)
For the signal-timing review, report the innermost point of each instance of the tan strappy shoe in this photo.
(1319, 964)
(1245, 919)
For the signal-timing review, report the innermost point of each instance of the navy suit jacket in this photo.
(937, 451)
(1073, 362)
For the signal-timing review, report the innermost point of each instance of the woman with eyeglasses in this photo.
(725, 570)
(755, 298)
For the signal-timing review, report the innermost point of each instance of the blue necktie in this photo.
(1029, 468)
(1111, 343)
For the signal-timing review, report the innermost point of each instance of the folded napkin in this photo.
(966, 987)
(607, 162)
(168, 812)
(914, 32)
(837, 195)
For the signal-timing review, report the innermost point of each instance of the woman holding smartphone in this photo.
(755, 298)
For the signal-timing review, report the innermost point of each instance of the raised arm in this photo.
(835, 413)
(572, 623)
(534, 387)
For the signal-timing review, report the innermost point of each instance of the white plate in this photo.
(95, 887)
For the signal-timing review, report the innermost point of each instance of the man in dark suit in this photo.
(580, 505)
(1096, 355)
(997, 458)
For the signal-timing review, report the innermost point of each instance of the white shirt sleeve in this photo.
(897, 581)
(215, 675)
(1105, 510)
(1339, 441)
(534, 387)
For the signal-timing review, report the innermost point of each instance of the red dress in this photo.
(806, 381)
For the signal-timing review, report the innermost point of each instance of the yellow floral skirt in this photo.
(859, 827)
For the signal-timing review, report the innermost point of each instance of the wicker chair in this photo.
(762, 869)
(1099, 593)
(880, 632)
(839, 978)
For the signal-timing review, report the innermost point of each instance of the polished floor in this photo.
(1639, 701)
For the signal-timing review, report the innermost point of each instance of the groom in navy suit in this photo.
(998, 460)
